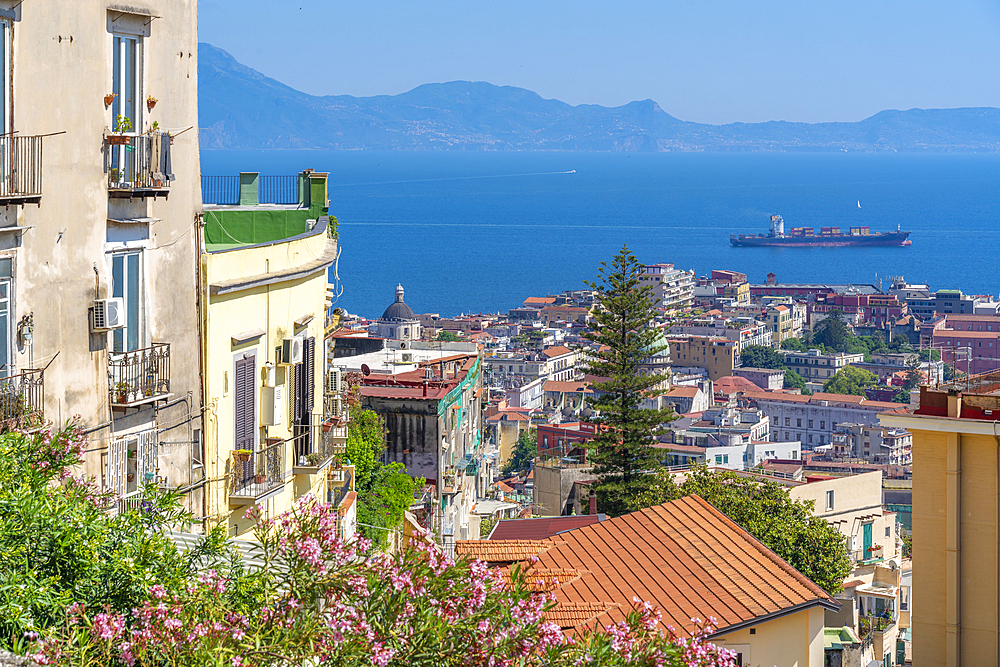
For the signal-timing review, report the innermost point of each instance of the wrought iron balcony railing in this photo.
(20, 169)
(138, 165)
(316, 445)
(22, 398)
(140, 376)
(259, 475)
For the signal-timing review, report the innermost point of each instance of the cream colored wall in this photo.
(62, 71)
(955, 535)
(794, 640)
(274, 309)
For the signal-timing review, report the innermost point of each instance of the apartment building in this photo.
(99, 203)
(814, 366)
(279, 419)
(673, 289)
(432, 419)
(872, 444)
(718, 356)
(812, 419)
(955, 522)
(741, 330)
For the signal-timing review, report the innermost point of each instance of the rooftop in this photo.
(541, 527)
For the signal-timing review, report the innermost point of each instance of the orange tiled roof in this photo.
(548, 580)
(570, 387)
(568, 615)
(686, 557)
(556, 351)
(503, 551)
(539, 300)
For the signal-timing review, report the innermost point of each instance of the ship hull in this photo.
(837, 241)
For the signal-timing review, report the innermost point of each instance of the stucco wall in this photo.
(62, 69)
(795, 640)
(273, 309)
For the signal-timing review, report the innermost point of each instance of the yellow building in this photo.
(274, 416)
(716, 355)
(779, 318)
(956, 458)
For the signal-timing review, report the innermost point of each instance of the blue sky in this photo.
(710, 61)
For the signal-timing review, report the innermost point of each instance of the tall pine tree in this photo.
(625, 333)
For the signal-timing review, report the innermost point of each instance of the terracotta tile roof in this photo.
(733, 383)
(840, 398)
(568, 387)
(548, 580)
(539, 528)
(556, 351)
(686, 557)
(689, 392)
(504, 488)
(504, 551)
(853, 583)
(568, 615)
(539, 300)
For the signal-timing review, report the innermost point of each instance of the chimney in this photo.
(593, 503)
(425, 387)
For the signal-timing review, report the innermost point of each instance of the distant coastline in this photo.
(240, 108)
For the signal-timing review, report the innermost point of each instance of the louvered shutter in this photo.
(245, 415)
(245, 403)
(309, 368)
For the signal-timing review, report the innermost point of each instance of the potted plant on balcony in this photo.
(150, 102)
(122, 125)
(259, 479)
(313, 459)
(241, 455)
(121, 392)
(109, 99)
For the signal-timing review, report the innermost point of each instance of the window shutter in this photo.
(309, 366)
(245, 403)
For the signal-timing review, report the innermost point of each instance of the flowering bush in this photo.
(305, 597)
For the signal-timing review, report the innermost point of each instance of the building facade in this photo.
(98, 240)
(277, 419)
(673, 289)
(718, 356)
(815, 366)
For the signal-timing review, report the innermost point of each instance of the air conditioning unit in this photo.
(334, 378)
(337, 406)
(407, 357)
(107, 314)
(291, 350)
(272, 405)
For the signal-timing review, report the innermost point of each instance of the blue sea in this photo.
(479, 232)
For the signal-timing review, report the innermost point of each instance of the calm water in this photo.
(470, 232)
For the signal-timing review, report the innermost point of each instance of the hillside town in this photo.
(183, 330)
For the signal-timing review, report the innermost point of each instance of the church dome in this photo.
(398, 310)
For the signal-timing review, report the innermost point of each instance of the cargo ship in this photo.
(806, 237)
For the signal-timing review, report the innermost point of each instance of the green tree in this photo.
(525, 450)
(832, 332)
(365, 447)
(764, 509)
(930, 355)
(850, 380)
(795, 344)
(384, 491)
(761, 356)
(447, 336)
(900, 343)
(795, 381)
(901, 396)
(624, 332)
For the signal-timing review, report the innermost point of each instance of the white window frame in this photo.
(140, 300)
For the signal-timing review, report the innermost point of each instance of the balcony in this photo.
(139, 377)
(138, 165)
(259, 475)
(227, 190)
(20, 170)
(317, 445)
(21, 401)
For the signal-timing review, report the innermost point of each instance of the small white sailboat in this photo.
(859, 203)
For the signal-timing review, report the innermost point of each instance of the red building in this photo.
(567, 440)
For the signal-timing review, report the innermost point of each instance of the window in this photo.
(786, 435)
(725, 459)
(798, 423)
(787, 420)
(126, 79)
(718, 459)
(795, 454)
(810, 438)
(829, 500)
(888, 531)
(822, 424)
(245, 404)
(810, 423)
(126, 284)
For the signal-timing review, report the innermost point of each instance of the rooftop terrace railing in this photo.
(227, 190)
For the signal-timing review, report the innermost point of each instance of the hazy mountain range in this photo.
(241, 108)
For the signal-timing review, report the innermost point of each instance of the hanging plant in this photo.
(151, 102)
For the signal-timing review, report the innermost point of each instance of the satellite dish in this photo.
(365, 370)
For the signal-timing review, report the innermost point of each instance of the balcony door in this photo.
(126, 284)
(126, 111)
(6, 318)
(245, 399)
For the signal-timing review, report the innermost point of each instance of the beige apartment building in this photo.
(99, 203)
(956, 522)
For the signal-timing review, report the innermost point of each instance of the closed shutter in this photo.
(309, 368)
(305, 396)
(245, 399)
(245, 403)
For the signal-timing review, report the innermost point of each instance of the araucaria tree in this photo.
(625, 334)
